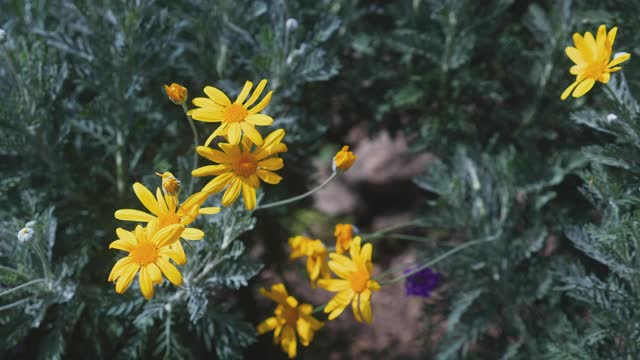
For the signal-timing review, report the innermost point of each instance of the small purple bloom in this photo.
(422, 282)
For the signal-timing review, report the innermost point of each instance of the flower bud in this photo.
(611, 118)
(291, 24)
(177, 93)
(344, 159)
(26, 235)
(170, 185)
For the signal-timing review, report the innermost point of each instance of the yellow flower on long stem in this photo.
(166, 210)
(291, 321)
(149, 253)
(241, 167)
(236, 118)
(344, 235)
(316, 254)
(592, 58)
(355, 285)
(344, 159)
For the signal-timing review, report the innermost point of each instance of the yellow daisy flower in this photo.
(316, 254)
(240, 168)
(166, 210)
(592, 58)
(355, 285)
(344, 235)
(236, 118)
(344, 159)
(291, 321)
(149, 253)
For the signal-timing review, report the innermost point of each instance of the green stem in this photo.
(382, 232)
(438, 259)
(299, 197)
(6, 292)
(410, 238)
(196, 141)
(14, 271)
(14, 304)
(318, 308)
(45, 268)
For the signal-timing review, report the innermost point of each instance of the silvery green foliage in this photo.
(84, 115)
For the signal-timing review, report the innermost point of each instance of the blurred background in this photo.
(452, 107)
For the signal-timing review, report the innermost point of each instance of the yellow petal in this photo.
(208, 104)
(126, 236)
(574, 54)
(244, 92)
(146, 198)
(120, 267)
(336, 285)
(192, 234)
(249, 196)
(209, 210)
(273, 164)
(365, 253)
(215, 156)
(217, 96)
(206, 115)
(267, 325)
(354, 307)
(373, 285)
(604, 77)
(259, 119)
(169, 271)
(123, 282)
(268, 176)
(167, 235)
(234, 132)
(611, 36)
(278, 293)
(567, 91)
(122, 245)
(583, 87)
(146, 285)
(219, 183)
(211, 170)
(619, 59)
(256, 93)
(262, 104)
(251, 133)
(133, 215)
(154, 273)
(177, 253)
(232, 193)
(365, 307)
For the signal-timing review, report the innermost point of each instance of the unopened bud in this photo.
(611, 117)
(344, 159)
(26, 235)
(170, 185)
(177, 93)
(291, 24)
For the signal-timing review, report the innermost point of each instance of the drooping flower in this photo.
(236, 118)
(421, 283)
(344, 159)
(26, 234)
(291, 321)
(149, 253)
(316, 254)
(170, 185)
(177, 93)
(167, 211)
(344, 235)
(241, 167)
(592, 58)
(355, 284)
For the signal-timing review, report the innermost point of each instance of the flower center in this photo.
(244, 165)
(168, 219)
(290, 315)
(594, 70)
(359, 280)
(235, 113)
(145, 253)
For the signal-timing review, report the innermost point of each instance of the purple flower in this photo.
(422, 282)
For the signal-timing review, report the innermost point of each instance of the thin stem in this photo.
(12, 66)
(16, 303)
(299, 197)
(6, 292)
(438, 259)
(196, 141)
(14, 271)
(318, 308)
(45, 268)
(382, 232)
(410, 238)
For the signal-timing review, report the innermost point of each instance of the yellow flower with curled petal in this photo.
(241, 167)
(355, 284)
(236, 118)
(344, 235)
(291, 321)
(344, 159)
(167, 210)
(149, 253)
(316, 254)
(170, 185)
(592, 58)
